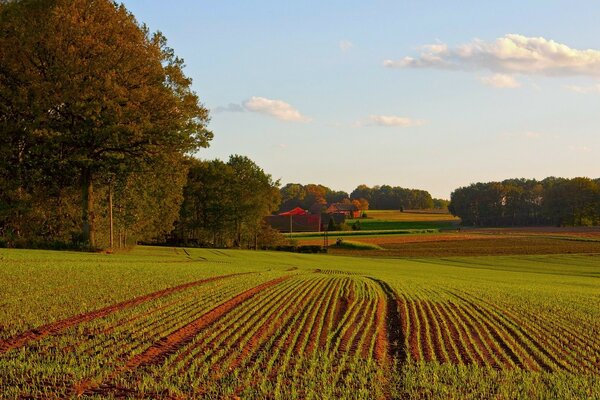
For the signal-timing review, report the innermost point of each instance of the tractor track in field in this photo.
(393, 341)
(171, 343)
(56, 327)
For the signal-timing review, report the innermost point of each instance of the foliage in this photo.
(352, 245)
(87, 93)
(386, 197)
(522, 202)
(225, 203)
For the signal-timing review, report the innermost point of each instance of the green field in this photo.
(152, 323)
(380, 220)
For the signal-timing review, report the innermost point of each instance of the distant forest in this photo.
(316, 198)
(524, 202)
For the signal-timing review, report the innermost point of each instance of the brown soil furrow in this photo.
(330, 313)
(130, 319)
(344, 305)
(435, 333)
(365, 316)
(471, 344)
(414, 339)
(156, 353)
(308, 327)
(294, 301)
(461, 343)
(378, 333)
(300, 324)
(154, 328)
(547, 342)
(403, 321)
(392, 325)
(277, 348)
(425, 333)
(499, 339)
(58, 326)
(315, 334)
(217, 335)
(450, 338)
(356, 316)
(477, 334)
(526, 351)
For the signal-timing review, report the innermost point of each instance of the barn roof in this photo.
(295, 211)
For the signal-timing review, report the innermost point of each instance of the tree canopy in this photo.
(522, 202)
(87, 93)
(225, 203)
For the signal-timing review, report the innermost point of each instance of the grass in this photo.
(393, 219)
(300, 326)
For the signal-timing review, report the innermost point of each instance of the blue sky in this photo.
(421, 94)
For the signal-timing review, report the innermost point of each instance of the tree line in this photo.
(386, 197)
(316, 198)
(224, 204)
(525, 202)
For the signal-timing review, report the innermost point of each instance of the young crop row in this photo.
(86, 353)
(451, 326)
(271, 340)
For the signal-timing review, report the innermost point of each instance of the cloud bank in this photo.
(392, 121)
(509, 54)
(275, 108)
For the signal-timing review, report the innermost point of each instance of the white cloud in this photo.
(392, 121)
(500, 81)
(346, 45)
(584, 89)
(511, 53)
(275, 108)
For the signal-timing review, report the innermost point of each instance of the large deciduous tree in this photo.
(87, 92)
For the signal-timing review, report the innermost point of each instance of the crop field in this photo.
(393, 219)
(199, 323)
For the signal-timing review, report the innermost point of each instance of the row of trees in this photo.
(225, 203)
(387, 197)
(312, 197)
(316, 197)
(94, 111)
(522, 202)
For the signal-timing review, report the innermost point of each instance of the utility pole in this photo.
(110, 216)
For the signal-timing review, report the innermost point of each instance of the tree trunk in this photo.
(110, 216)
(87, 215)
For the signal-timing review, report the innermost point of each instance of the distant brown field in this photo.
(474, 245)
(548, 231)
(384, 240)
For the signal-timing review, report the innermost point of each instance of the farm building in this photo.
(296, 220)
(349, 210)
(299, 220)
